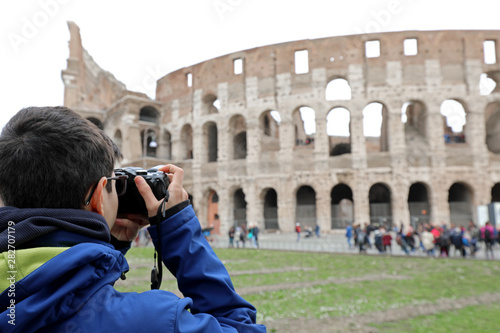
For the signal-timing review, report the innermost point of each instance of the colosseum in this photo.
(393, 128)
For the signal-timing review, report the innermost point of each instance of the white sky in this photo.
(141, 41)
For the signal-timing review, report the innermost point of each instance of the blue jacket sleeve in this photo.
(202, 277)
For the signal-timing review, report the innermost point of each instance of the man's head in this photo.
(50, 157)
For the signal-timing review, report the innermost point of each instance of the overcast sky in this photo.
(141, 41)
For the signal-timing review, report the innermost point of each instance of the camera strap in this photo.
(157, 271)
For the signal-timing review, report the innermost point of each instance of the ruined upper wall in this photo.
(443, 58)
(87, 86)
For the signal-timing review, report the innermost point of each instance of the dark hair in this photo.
(50, 157)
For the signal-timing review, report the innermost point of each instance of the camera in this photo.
(132, 201)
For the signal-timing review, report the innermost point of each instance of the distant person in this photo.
(308, 231)
(231, 233)
(317, 230)
(297, 230)
(428, 241)
(386, 240)
(488, 237)
(348, 235)
(475, 237)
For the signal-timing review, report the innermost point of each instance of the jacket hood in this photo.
(31, 223)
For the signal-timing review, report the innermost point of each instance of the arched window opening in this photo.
(341, 206)
(305, 212)
(418, 204)
(375, 119)
(487, 84)
(492, 116)
(210, 141)
(149, 142)
(414, 116)
(338, 130)
(271, 210)
(269, 122)
(304, 119)
(213, 222)
(240, 146)
(237, 124)
(454, 116)
(211, 104)
(187, 142)
(495, 193)
(460, 201)
(240, 209)
(338, 89)
(149, 114)
(380, 205)
(165, 146)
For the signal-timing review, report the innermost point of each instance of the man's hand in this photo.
(127, 228)
(177, 193)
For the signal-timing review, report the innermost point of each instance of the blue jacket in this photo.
(64, 282)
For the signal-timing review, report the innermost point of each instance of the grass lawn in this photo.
(319, 286)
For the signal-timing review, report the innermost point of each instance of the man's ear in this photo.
(97, 201)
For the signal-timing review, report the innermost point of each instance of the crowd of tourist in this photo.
(432, 239)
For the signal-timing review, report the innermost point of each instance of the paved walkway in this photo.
(332, 242)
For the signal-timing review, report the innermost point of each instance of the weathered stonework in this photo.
(272, 173)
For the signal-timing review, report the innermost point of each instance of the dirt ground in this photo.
(360, 323)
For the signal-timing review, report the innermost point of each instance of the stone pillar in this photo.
(321, 145)
(323, 208)
(360, 199)
(253, 147)
(225, 210)
(286, 145)
(253, 207)
(358, 144)
(435, 136)
(475, 134)
(286, 207)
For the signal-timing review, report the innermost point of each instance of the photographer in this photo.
(60, 195)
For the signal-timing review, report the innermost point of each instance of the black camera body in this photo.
(132, 201)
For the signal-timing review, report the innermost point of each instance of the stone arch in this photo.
(210, 141)
(96, 122)
(375, 127)
(418, 203)
(238, 128)
(380, 204)
(118, 139)
(338, 129)
(305, 211)
(269, 122)
(460, 199)
(338, 89)
(342, 206)
(304, 121)
(239, 208)
(149, 114)
(492, 118)
(454, 121)
(211, 104)
(270, 209)
(149, 142)
(187, 142)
